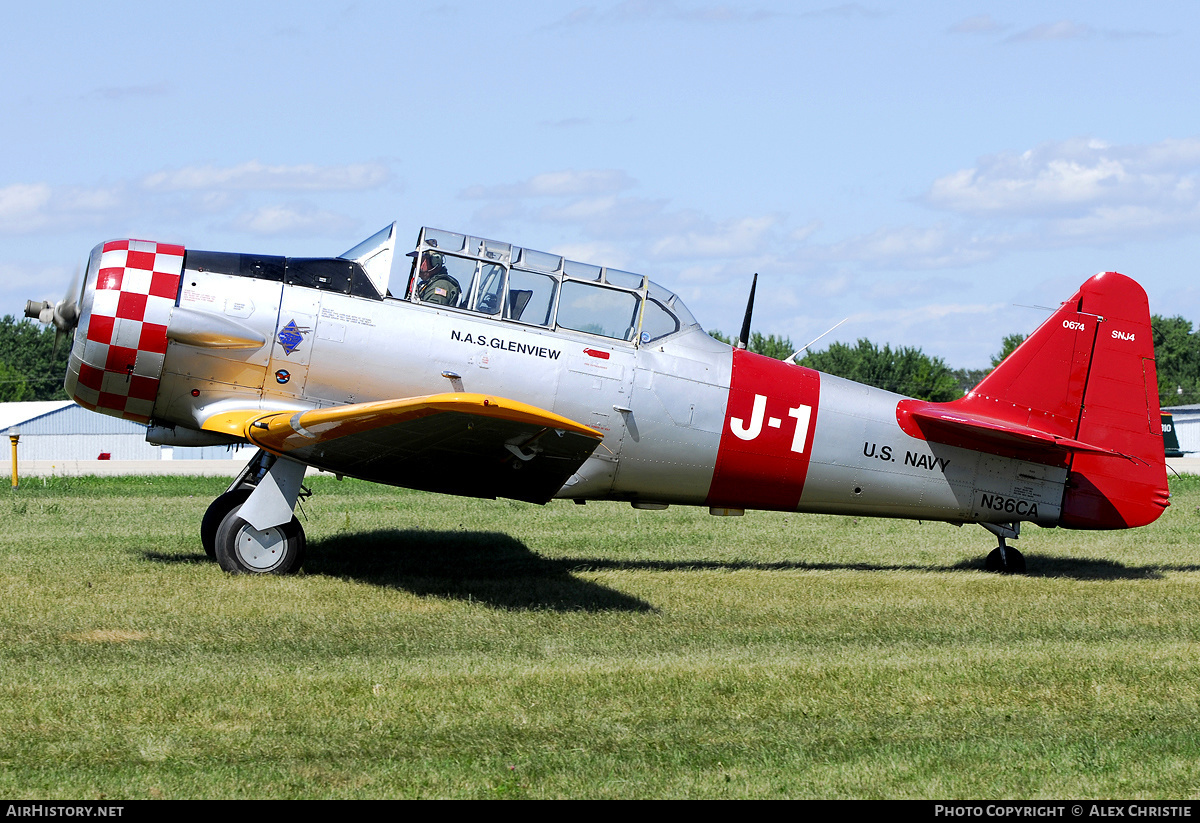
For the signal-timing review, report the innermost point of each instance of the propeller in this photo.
(64, 315)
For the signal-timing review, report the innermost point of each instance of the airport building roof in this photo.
(15, 414)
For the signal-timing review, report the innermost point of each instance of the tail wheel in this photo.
(1010, 561)
(216, 513)
(243, 549)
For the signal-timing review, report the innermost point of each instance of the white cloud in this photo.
(1061, 194)
(806, 231)
(567, 183)
(914, 247)
(590, 203)
(702, 275)
(921, 315)
(634, 219)
(979, 24)
(566, 123)
(184, 194)
(730, 238)
(23, 202)
(124, 92)
(1059, 30)
(1070, 30)
(1080, 183)
(634, 11)
(256, 176)
(1122, 221)
(47, 282)
(26, 208)
(844, 10)
(598, 253)
(80, 199)
(588, 208)
(293, 218)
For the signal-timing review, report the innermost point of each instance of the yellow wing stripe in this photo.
(234, 422)
(282, 431)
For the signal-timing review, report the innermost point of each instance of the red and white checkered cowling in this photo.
(121, 341)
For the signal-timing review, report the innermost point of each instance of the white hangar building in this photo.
(1187, 426)
(62, 430)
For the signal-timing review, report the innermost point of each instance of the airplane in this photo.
(491, 370)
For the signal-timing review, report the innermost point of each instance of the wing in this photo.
(468, 444)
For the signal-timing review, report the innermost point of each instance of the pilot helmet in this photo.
(436, 260)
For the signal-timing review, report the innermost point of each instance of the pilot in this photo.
(436, 285)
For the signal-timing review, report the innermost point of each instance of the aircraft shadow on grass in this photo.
(501, 571)
(1039, 566)
(489, 567)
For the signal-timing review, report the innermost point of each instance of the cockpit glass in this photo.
(541, 289)
(594, 309)
(530, 297)
(625, 279)
(581, 271)
(445, 240)
(486, 289)
(657, 322)
(539, 260)
(673, 304)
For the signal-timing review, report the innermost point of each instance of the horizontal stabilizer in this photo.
(945, 425)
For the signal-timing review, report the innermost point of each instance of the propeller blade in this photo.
(63, 315)
(66, 312)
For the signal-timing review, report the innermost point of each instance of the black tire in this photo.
(995, 563)
(1016, 561)
(243, 549)
(216, 513)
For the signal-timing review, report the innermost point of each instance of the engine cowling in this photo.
(120, 345)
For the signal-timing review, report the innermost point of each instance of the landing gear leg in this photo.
(1004, 558)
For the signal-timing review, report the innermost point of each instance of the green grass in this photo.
(444, 647)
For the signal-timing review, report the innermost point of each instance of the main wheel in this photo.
(995, 562)
(243, 549)
(216, 513)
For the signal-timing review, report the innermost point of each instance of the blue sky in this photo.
(928, 170)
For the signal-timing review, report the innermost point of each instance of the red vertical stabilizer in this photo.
(1088, 374)
(1082, 393)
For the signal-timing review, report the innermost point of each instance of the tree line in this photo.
(31, 368)
(911, 372)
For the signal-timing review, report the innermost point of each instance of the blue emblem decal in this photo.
(290, 337)
(282, 376)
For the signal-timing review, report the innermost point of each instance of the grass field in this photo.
(443, 647)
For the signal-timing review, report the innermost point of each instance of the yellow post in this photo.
(13, 438)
